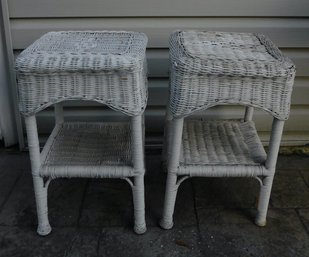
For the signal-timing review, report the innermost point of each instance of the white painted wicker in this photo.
(213, 68)
(210, 68)
(89, 150)
(107, 67)
(221, 143)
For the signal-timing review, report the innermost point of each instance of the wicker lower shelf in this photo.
(88, 150)
(215, 148)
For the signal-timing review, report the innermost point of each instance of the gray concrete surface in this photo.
(213, 217)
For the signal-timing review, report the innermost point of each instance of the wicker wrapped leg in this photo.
(39, 189)
(173, 154)
(169, 201)
(274, 145)
(139, 205)
(139, 166)
(166, 144)
(264, 197)
(249, 113)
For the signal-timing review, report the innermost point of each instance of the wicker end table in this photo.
(108, 67)
(215, 68)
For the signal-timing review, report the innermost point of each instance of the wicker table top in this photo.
(211, 68)
(71, 51)
(233, 53)
(104, 66)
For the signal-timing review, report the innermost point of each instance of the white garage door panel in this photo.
(285, 32)
(140, 8)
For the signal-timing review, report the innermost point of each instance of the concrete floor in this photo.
(213, 217)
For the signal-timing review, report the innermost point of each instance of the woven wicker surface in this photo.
(105, 66)
(221, 143)
(211, 68)
(89, 146)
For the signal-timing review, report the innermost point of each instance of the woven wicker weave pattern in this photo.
(221, 143)
(99, 144)
(87, 148)
(107, 67)
(211, 68)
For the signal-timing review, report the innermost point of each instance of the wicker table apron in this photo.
(104, 66)
(214, 68)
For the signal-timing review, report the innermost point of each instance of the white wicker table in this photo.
(108, 67)
(215, 68)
